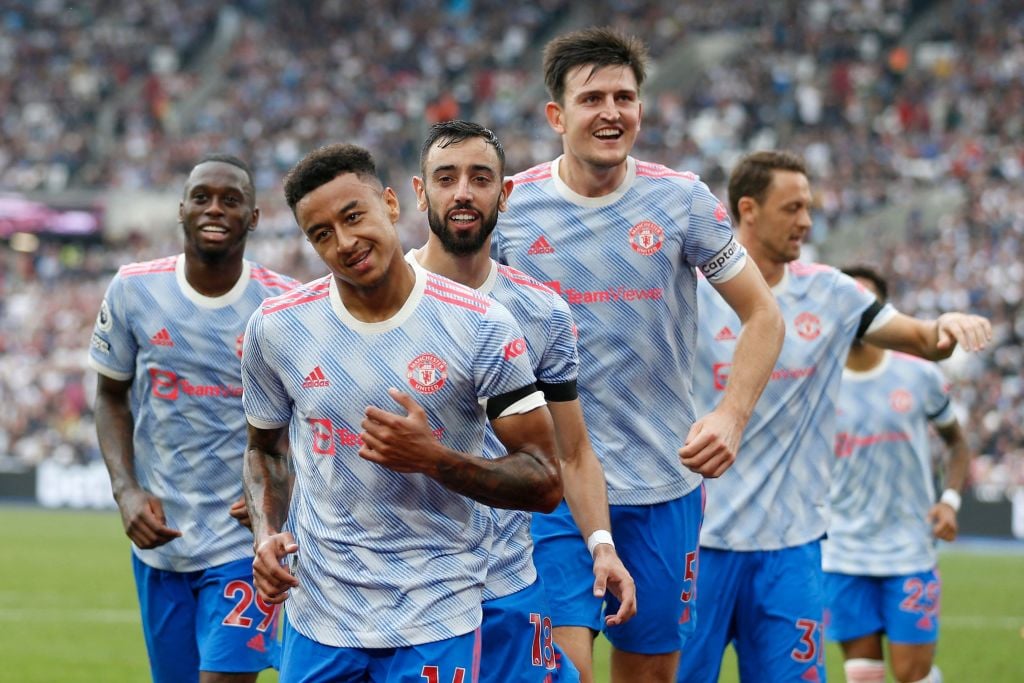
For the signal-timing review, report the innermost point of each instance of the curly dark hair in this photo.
(323, 165)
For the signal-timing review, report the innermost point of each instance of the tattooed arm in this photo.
(528, 477)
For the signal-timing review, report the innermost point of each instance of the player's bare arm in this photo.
(527, 478)
(267, 484)
(142, 513)
(587, 495)
(943, 514)
(714, 439)
(932, 339)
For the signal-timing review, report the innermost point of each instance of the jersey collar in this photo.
(570, 195)
(203, 301)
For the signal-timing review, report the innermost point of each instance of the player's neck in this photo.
(588, 180)
(212, 278)
(470, 270)
(384, 299)
(771, 270)
(864, 357)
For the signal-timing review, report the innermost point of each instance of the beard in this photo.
(464, 243)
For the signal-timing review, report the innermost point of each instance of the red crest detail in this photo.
(646, 237)
(238, 344)
(427, 373)
(808, 326)
(901, 401)
(720, 213)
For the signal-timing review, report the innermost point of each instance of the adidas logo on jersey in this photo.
(725, 334)
(317, 378)
(541, 246)
(161, 338)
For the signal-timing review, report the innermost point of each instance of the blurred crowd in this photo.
(882, 97)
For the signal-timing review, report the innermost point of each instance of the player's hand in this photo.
(142, 514)
(971, 332)
(401, 443)
(270, 574)
(711, 446)
(240, 511)
(611, 574)
(943, 521)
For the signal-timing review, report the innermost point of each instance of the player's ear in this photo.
(390, 200)
(255, 218)
(554, 114)
(420, 188)
(746, 206)
(506, 190)
(639, 114)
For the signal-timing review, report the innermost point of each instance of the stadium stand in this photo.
(892, 102)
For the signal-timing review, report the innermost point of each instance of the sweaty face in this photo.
(784, 217)
(462, 193)
(350, 222)
(217, 210)
(600, 117)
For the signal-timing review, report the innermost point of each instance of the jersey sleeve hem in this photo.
(110, 372)
(260, 423)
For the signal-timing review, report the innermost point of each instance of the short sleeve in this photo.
(559, 361)
(937, 403)
(113, 347)
(501, 361)
(264, 397)
(710, 242)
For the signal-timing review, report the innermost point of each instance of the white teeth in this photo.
(606, 133)
(463, 217)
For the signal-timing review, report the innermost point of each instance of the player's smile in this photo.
(463, 218)
(350, 223)
(599, 118)
(216, 212)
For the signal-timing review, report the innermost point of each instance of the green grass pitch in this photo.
(68, 611)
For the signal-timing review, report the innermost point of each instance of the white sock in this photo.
(864, 670)
(934, 676)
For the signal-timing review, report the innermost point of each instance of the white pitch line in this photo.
(973, 622)
(83, 616)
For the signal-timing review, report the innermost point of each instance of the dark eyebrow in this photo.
(474, 167)
(341, 212)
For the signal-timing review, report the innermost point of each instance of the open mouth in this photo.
(608, 134)
(463, 217)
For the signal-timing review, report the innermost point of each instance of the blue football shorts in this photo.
(770, 604)
(453, 660)
(517, 644)
(657, 544)
(205, 620)
(905, 608)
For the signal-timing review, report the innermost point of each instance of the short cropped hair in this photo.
(753, 175)
(446, 133)
(231, 159)
(323, 165)
(869, 273)
(597, 47)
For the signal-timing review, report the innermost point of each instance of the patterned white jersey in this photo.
(181, 350)
(882, 486)
(774, 495)
(551, 344)
(625, 262)
(385, 559)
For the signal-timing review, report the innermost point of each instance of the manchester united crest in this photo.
(901, 401)
(808, 326)
(238, 344)
(646, 237)
(427, 373)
